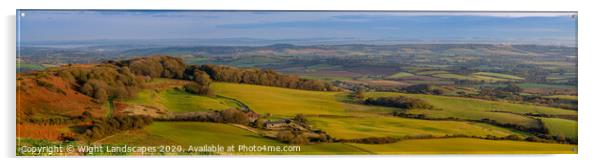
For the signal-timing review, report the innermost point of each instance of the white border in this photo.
(589, 78)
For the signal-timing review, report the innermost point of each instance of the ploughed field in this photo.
(341, 119)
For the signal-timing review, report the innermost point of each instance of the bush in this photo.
(234, 116)
(285, 136)
(299, 139)
(102, 128)
(198, 89)
(373, 140)
(260, 123)
(292, 137)
(300, 118)
(359, 94)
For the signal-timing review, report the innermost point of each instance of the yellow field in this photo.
(351, 120)
(281, 101)
(200, 133)
(386, 126)
(179, 101)
(475, 109)
(328, 112)
(561, 127)
(468, 146)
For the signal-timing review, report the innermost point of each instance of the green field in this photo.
(201, 133)
(180, 101)
(400, 75)
(281, 101)
(468, 146)
(488, 79)
(454, 76)
(431, 72)
(535, 85)
(499, 75)
(563, 97)
(386, 126)
(469, 77)
(561, 127)
(28, 67)
(327, 111)
(476, 109)
(358, 120)
(252, 61)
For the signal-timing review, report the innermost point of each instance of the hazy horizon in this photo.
(546, 28)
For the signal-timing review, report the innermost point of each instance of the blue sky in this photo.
(61, 25)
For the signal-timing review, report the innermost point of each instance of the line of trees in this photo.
(265, 77)
(423, 89)
(155, 66)
(399, 102)
(541, 129)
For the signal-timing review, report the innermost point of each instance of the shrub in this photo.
(260, 123)
(102, 128)
(299, 139)
(285, 136)
(234, 116)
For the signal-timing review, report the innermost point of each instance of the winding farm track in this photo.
(242, 105)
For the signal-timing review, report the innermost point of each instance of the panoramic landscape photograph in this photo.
(270, 82)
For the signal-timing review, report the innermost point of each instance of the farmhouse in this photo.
(277, 124)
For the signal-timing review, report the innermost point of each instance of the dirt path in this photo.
(242, 105)
(111, 107)
(246, 128)
(103, 139)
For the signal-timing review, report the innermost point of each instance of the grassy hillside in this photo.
(179, 101)
(281, 101)
(469, 104)
(468, 146)
(561, 127)
(382, 126)
(347, 120)
(199, 133)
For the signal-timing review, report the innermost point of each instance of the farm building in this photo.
(277, 124)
